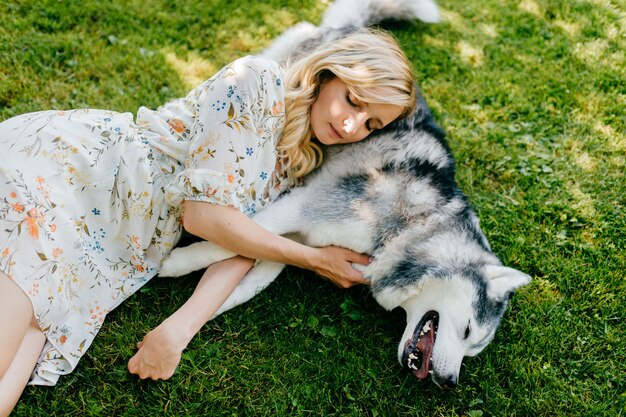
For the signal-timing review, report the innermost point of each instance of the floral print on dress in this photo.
(235, 118)
(90, 200)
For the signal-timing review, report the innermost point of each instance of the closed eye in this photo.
(468, 330)
(351, 101)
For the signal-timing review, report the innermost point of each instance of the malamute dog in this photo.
(393, 196)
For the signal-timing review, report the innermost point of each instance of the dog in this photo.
(393, 196)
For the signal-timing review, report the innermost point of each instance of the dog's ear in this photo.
(502, 281)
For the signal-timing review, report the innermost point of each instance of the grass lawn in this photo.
(532, 94)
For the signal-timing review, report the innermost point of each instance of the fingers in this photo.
(358, 262)
(355, 278)
(360, 258)
(342, 266)
(347, 277)
(137, 367)
(144, 369)
(132, 365)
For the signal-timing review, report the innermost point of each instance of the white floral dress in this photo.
(90, 200)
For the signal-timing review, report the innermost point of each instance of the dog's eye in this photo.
(468, 330)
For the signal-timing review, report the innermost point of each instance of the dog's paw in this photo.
(174, 266)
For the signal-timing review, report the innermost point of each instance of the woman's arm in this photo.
(160, 350)
(233, 230)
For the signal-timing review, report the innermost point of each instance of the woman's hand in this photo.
(335, 264)
(159, 353)
(161, 349)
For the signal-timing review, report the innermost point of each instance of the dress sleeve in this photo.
(238, 113)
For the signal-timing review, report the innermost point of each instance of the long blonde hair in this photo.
(375, 70)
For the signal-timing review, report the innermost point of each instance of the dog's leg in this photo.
(199, 255)
(255, 281)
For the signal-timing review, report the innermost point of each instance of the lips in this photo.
(334, 133)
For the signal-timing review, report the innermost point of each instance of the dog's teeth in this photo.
(426, 327)
(412, 356)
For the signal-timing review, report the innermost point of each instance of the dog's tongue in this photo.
(425, 345)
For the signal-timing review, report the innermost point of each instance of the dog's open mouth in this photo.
(419, 350)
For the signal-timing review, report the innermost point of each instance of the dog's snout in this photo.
(450, 382)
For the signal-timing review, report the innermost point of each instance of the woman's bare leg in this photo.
(21, 342)
(16, 313)
(16, 377)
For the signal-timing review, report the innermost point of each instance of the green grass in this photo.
(532, 94)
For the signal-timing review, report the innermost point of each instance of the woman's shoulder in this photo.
(257, 61)
(257, 64)
(258, 78)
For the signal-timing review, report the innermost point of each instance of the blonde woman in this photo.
(92, 201)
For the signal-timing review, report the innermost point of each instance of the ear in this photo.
(502, 281)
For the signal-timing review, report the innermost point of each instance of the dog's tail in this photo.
(364, 13)
(345, 16)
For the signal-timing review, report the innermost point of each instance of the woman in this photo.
(91, 202)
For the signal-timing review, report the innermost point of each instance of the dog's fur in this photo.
(393, 196)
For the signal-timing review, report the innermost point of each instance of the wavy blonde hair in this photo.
(375, 70)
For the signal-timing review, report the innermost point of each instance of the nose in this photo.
(353, 122)
(450, 382)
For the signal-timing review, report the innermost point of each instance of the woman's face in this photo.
(337, 116)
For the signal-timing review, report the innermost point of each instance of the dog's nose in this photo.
(450, 382)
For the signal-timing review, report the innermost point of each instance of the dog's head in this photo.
(449, 316)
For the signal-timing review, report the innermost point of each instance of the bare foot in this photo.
(159, 353)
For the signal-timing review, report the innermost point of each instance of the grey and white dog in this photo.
(393, 196)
